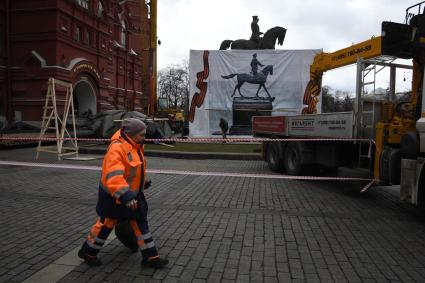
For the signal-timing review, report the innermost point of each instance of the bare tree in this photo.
(173, 85)
(328, 100)
(336, 101)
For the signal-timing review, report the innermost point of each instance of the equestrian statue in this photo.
(260, 78)
(268, 41)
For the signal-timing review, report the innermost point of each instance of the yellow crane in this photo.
(153, 53)
(397, 128)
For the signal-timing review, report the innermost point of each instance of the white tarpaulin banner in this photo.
(224, 80)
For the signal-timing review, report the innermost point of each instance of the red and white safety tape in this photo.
(197, 173)
(220, 140)
(191, 140)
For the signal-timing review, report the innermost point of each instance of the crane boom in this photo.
(347, 56)
(396, 41)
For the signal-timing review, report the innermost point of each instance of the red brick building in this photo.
(100, 46)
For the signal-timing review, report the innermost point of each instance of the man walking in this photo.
(224, 127)
(121, 195)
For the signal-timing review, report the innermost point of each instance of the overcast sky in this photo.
(311, 24)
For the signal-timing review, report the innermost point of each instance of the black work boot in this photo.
(89, 259)
(155, 262)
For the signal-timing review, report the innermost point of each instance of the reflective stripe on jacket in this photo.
(123, 174)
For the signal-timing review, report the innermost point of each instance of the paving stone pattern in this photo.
(214, 229)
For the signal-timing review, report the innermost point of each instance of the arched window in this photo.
(123, 34)
(100, 9)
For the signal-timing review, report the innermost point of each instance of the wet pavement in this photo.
(212, 228)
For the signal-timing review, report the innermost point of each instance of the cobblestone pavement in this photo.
(213, 229)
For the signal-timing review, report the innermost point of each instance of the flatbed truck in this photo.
(382, 138)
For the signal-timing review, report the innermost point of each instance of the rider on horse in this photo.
(255, 36)
(254, 64)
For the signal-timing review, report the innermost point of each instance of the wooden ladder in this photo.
(52, 120)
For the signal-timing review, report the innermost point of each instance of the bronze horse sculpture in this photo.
(259, 79)
(268, 41)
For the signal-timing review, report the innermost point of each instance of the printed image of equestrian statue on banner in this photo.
(238, 84)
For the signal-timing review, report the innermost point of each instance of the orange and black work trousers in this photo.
(103, 227)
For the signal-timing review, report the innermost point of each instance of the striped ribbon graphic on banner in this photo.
(198, 97)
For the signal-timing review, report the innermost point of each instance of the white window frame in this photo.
(123, 40)
(77, 33)
(100, 9)
(83, 3)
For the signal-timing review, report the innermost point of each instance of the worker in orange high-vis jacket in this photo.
(121, 195)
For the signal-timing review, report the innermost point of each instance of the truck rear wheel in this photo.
(390, 166)
(292, 159)
(274, 157)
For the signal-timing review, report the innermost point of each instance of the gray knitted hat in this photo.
(132, 126)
